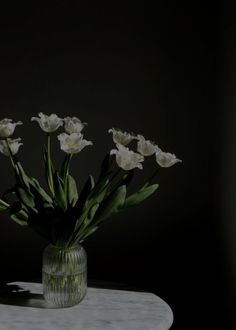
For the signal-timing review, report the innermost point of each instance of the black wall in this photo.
(154, 68)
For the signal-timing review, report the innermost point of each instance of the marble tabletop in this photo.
(22, 308)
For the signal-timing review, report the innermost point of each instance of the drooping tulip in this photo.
(127, 159)
(166, 159)
(7, 127)
(13, 144)
(146, 147)
(120, 137)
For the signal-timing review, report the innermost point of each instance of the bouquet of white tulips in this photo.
(61, 214)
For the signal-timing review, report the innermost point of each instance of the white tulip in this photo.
(127, 159)
(7, 127)
(48, 124)
(120, 137)
(72, 143)
(14, 146)
(166, 159)
(73, 125)
(146, 147)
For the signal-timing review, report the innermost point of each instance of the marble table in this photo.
(22, 308)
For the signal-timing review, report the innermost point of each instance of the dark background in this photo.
(158, 68)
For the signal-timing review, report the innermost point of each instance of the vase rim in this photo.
(65, 248)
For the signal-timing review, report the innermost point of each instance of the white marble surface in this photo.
(103, 309)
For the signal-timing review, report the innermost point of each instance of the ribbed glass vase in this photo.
(64, 275)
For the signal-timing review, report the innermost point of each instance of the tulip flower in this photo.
(146, 147)
(73, 125)
(127, 159)
(48, 124)
(120, 137)
(14, 146)
(166, 159)
(7, 127)
(72, 143)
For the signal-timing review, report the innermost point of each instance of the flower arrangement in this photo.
(61, 214)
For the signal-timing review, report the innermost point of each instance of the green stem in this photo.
(49, 164)
(66, 171)
(65, 167)
(11, 156)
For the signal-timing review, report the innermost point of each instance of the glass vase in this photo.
(64, 275)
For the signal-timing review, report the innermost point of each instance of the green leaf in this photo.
(111, 205)
(25, 197)
(95, 197)
(90, 215)
(88, 186)
(92, 182)
(32, 187)
(86, 217)
(78, 224)
(60, 197)
(99, 186)
(87, 233)
(40, 190)
(49, 170)
(3, 206)
(20, 217)
(82, 223)
(98, 192)
(140, 196)
(23, 178)
(93, 211)
(72, 190)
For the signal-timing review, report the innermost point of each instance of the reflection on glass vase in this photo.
(64, 275)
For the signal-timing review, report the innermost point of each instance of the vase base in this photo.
(64, 291)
